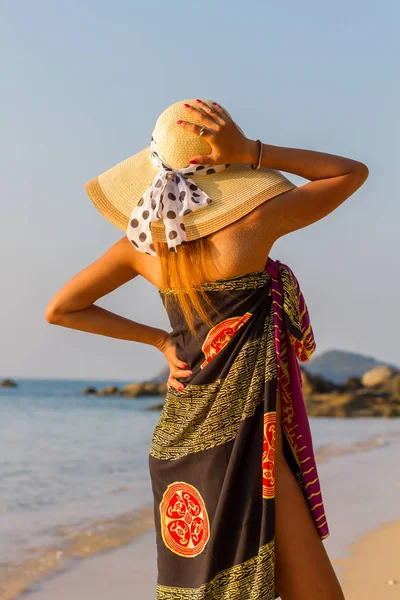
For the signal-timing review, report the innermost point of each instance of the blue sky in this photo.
(82, 86)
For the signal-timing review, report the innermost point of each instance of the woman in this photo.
(237, 503)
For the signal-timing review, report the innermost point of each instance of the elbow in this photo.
(52, 314)
(362, 172)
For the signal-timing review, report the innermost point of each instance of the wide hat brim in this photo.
(235, 191)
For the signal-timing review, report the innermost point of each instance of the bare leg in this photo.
(303, 570)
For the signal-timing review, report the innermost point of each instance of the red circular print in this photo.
(185, 527)
(219, 336)
(268, 457)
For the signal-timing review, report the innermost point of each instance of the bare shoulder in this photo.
(141, 263)
(120, 259)
(125, 254)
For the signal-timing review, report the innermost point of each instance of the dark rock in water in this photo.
(8, 383)
(147, 388)
(364, 402)
(89, 390)
(156, 406)
(112, 390)
(353, 383)
(316, 383)
(131, 390)
(321, 385)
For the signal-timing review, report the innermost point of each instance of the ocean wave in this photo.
(72, 543)
(324, 452)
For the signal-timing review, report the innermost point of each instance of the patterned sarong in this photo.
(212, 452)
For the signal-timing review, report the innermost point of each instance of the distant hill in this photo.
(337, 365)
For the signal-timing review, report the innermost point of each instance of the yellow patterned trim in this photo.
(290, 297)
(254, 576)
(201, 417)
(248, 281)
(292, 301)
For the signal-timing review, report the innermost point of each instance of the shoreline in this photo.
(133, 570)
(352, 520)
(379, 549)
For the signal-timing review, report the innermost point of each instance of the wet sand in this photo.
(361, 493)
(122, 574)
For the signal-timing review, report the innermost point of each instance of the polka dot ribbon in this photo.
(171, 195)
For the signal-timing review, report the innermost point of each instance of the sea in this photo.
(74, 476)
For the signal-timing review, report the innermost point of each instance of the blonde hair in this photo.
(182, 271)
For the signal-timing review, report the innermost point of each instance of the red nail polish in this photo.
(193, 162)
(215, 104)
(179, 122)
(197, 100)
(186, 105)
(180, 388)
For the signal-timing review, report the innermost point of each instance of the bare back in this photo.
(239, 248)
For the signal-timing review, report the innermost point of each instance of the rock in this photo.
(395, 386)
(390, 411)
(111, 390)
(134, 390)
(315, 383)
(306, 382)
(353, 383)
(147, 388)
(377, 376)
(321, 385)
(365, 402)
(89, 390)
(131, 389)
(8, 383)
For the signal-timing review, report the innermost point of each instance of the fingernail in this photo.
(193, 162)
(215, 104)
(197, 100)
(185, 366)
(179, 122)
(186, 105)
(180, 388)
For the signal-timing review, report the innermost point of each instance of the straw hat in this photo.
(235, 191)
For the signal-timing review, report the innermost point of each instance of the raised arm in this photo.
(333, 179)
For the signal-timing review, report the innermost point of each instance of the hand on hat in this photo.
(228, 142)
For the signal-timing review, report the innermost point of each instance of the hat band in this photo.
(171, 196)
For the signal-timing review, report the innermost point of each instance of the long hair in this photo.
(183, 270)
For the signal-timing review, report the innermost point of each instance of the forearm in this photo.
(309, 164)
(95, 319)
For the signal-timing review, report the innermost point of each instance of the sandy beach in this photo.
(363, 512)
(131, 571)
(373, 569)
